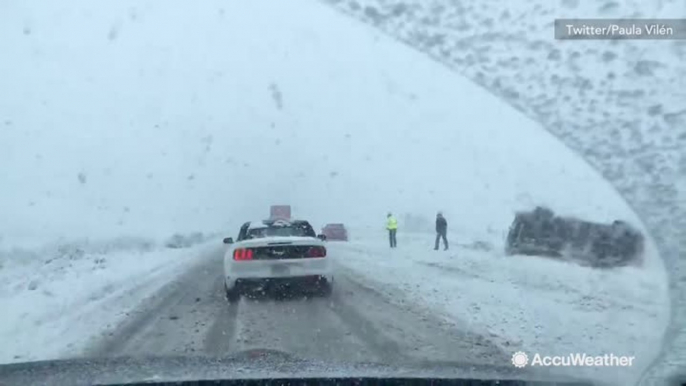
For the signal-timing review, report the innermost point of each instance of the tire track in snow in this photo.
(221, 333)
(303, 326)
(420, 334)
(147, 329)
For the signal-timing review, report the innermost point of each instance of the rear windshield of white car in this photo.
(281, 231)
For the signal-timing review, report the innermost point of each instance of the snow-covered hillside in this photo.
(149, 118)
(618, 103)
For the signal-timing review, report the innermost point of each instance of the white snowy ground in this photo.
(532, 304)
(54, 299)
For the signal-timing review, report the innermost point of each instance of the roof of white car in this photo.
(266, 223)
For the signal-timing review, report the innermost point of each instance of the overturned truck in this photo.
(540, 232)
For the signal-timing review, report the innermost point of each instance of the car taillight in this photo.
(316, 252)
(242, 254)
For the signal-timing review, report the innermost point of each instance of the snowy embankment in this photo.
(55, 298)
(532, 304)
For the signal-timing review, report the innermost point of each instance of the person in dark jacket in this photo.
(441, 231)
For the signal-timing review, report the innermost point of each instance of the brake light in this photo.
(316, 252)
(242, 254)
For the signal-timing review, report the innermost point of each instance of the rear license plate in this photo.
(280, 269)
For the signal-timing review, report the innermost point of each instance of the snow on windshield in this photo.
(137, 139)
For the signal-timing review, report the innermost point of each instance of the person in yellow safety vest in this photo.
(392, 226)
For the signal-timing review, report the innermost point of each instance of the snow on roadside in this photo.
(55, 298)
(532, 304)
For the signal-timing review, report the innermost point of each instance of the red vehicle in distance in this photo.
(335, 232)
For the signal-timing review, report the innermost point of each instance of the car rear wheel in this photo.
(232, 294)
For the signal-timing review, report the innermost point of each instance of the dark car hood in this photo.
(253, 364)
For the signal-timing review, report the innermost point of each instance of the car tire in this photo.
(232, 295)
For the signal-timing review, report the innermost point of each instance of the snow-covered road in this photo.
(469, 306)
(191, 316)
(532, 304)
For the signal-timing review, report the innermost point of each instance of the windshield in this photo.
(293, 230)
(439, 185)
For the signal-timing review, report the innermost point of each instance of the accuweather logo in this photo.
(520, 360)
